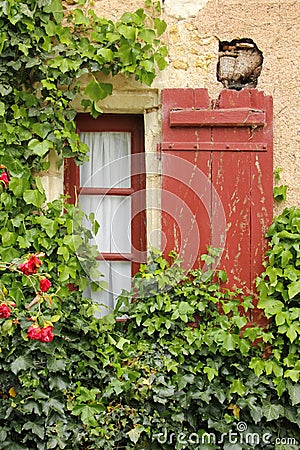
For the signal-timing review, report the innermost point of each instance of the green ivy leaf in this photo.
(135, 433)
(121, 343)
(147, 35)
(294, 392)
(51, 28)
(55, 7)
(280, 318)
(292, 331)
(286, 257)
(18, 186)
(98, 91)
(287, 235)
(34, 197)
(49, 225)
(228, 342)
(64, 273)
(147, 77)
(160, 26)
(55, 404)
(55, 364)
(279, 193)
(270, 306)
(237, 387)
(64, 252)
(39, 148)
(211, 372)
(272, 412)
(42, 129)
(294, 375)
(7, 327)
(21, 363)
(106, 53)
(80, 17)
(9, 238)
(35, 428)
(128, 32)
(294, 289)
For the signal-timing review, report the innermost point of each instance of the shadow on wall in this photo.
(239, 64)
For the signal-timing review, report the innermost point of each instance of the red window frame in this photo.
(133, 124)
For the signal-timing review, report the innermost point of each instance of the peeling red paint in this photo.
(230, 142)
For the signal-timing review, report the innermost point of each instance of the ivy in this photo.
(50, 338)
(45, 49)
(184, 363)
(279, 191)
(279, 288)
(180, 367)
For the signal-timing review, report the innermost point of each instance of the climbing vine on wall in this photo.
(46, 324)
(44, 50)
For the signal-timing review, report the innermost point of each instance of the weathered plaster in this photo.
(52, 180)
(182, 9)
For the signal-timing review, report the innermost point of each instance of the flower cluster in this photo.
(5, 311)
(45, 284)
(44, 334)
(30, 268)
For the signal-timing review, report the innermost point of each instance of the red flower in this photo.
(45, 284)
(31, 266)
(4, 311)
(34, 332)
(4, 178)
(47, 334)
(44, 334)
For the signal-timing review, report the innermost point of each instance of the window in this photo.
(112, 186)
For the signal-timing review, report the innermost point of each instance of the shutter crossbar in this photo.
(229, 117)
(215, 146)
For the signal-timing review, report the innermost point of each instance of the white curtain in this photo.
(109, 160)
(113, 212)
(109, 167)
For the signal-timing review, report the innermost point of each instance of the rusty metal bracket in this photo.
(158, 151)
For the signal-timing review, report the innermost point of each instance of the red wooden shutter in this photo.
(218, 178)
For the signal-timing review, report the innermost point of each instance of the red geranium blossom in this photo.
(31, 266)
(4, 311)
(4, 177)
(45, 284)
